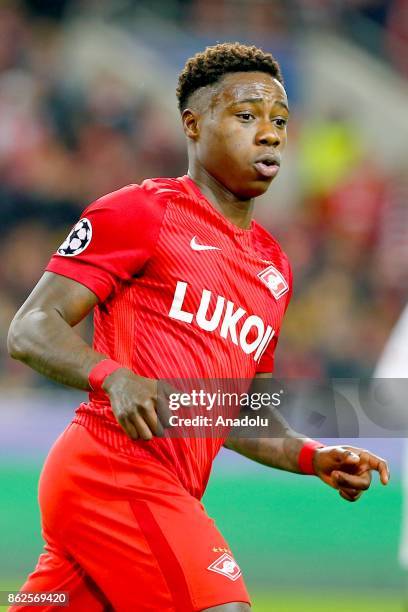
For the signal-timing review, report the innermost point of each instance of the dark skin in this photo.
(227, 131)
(228, 127)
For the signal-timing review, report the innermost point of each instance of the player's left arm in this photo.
(345, 468)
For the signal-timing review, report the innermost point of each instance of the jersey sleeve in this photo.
(267, 361)
(112, 241)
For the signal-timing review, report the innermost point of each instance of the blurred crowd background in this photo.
(87, 105)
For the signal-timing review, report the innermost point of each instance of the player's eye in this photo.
(245, 116)
(280, 122)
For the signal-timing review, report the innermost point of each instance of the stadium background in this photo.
(87, 105)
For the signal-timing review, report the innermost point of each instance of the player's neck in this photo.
(237, 211)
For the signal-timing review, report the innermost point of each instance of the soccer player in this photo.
(183, 284)
(393, 364)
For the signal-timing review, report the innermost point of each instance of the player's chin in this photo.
(256, 188)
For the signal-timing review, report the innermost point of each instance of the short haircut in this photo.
(211, 65)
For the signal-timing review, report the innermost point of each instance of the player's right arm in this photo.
(42, 336)
(41, 333)
(103, 252)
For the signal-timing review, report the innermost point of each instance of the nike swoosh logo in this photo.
(196, 246)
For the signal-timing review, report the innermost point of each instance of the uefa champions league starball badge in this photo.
(78, 239)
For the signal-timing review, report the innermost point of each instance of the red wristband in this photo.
(99, 372)
(306, 455)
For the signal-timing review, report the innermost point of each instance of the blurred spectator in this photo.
(329, 146)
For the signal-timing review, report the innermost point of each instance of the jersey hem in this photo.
(108, 433)
(98, 288)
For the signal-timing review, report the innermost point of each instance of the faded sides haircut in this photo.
(209, 66)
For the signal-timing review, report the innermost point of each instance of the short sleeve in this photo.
(112, 241)
(267, 361)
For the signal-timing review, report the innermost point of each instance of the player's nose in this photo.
(267, 135)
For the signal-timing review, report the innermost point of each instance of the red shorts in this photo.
(122, 534)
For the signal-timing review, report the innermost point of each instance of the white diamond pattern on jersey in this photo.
(226, 566)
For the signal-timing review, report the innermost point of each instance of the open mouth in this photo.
(267, 167)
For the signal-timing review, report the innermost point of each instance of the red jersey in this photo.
(183, 293)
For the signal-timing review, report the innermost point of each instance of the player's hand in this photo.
(133, 399)
(348, 469)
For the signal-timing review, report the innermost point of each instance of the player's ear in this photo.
(190, 121)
